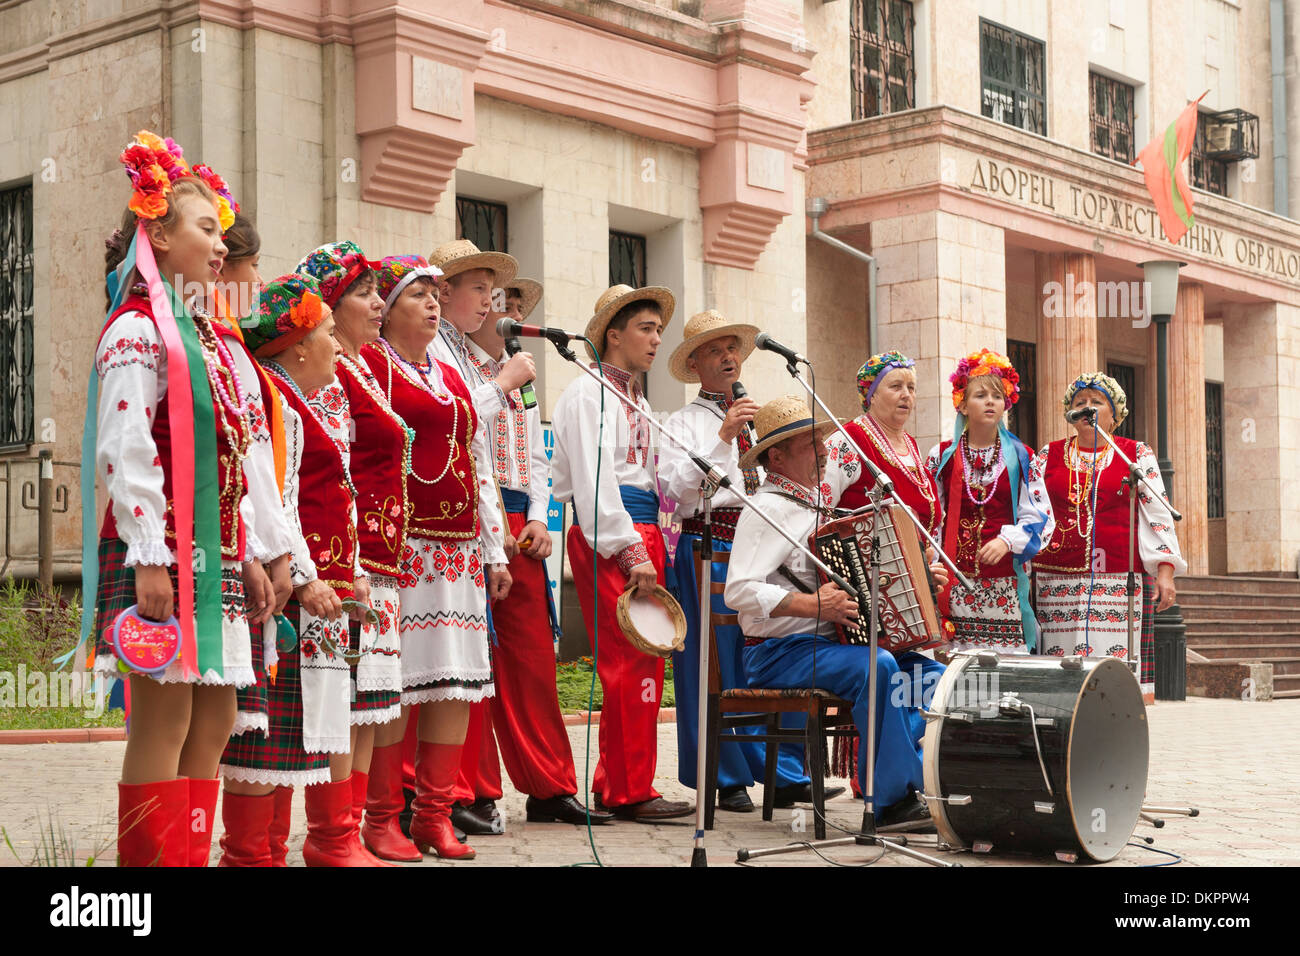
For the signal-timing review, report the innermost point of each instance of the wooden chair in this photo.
(826, 716)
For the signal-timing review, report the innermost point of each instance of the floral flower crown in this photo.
(985, 362)
(874, 368)
(154, 164)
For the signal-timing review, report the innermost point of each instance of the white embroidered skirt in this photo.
(1064, 609)
(987, 618)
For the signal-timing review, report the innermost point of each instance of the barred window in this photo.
(17, 422)
(626, 259)
(1208, 174)
(1023, 417)
(1214, 449)
(1012, 79)
(1111, 117)
(482, 223)
(883, 69)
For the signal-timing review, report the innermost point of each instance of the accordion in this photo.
(908, 618)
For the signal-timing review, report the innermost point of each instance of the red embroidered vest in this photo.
(230, 474)
(855, 496)
(324, 499)
(977, 525)
(442, 488)
(379, 453)
(1068, 551)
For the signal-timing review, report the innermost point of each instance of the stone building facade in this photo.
(678, 141)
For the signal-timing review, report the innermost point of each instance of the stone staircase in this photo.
(1245, 620)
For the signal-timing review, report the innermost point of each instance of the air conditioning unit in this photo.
(1231, 135)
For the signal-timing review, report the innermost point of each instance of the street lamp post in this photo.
(1170, 631)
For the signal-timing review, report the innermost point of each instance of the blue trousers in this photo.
(739, 765)
(903, 686)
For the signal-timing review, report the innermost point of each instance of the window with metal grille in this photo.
(1208, 174)
(17, 422)
(883, 67)
(482, 223)
(626, 259)
(1126, 375)
(1023, 417)
(1214, 449)
(1011, 78)
(1111, 116)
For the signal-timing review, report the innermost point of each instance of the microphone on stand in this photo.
(1088, 412)
(526, 391)
(769, 344)
(509, 328)
(737, 393)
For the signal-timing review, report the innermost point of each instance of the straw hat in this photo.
(780, 419)
(615, 297)
(461, 255)
(704, 327)
(530, 293)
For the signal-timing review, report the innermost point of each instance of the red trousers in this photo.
(525, 713)
(633, 682)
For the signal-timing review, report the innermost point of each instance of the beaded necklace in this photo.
(370, 385)
(1080, 483)
(988, 474)
(219, 366)
(886, 448)
(413, 375)
(283, 375)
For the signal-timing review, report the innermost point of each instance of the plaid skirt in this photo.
(277, 757)
(377, 673)
(116, 593)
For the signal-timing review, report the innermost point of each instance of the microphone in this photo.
(1074, 414)
(525, 390)
(738, 392)
(769, 344)
(509, 328)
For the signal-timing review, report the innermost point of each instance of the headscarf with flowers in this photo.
(871, 373)
(985, 362)
(1101, 382)
(395, 273)
(287, 311)
(335, 265)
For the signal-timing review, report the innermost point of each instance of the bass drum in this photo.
(1040, 754)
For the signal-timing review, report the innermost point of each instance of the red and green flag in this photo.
(1162, 164)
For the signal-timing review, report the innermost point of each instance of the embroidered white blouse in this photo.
(698, 423)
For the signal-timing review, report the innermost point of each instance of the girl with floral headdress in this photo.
(177, 436)
(996, 510)
(1082, 573)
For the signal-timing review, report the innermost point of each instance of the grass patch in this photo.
(35, 628)
(573, 684)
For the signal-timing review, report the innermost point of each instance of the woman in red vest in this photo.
(447, 575)
(169, 443)
(308, 742)
(1082, 573)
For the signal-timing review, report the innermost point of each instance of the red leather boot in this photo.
(277, 833)
(360, 784)
(435, 777)
(331, 836)
(247, 820)
(384, 802)
(202, 816)
(152, 823)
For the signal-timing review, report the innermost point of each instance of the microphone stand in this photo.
(714, 478)
(867, 835)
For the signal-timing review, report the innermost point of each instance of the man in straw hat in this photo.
(719, 430)
(790, 630)
(525, 713)
(615, 541)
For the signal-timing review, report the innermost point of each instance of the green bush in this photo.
(573, 684)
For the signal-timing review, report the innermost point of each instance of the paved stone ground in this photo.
(1238, 762)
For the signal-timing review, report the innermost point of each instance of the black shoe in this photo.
(468, 821)
(486, 809)
(788, 796)
(735, 799)
(404, 818)
(563, 809)
(909, 813)
(650, 811)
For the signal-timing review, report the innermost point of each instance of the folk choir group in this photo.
(356, 447)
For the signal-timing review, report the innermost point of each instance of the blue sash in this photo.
(516, 502)
(641, 506)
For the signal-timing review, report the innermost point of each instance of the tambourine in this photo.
(144, 646)
(656, 625)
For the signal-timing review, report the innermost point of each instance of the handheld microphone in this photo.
(769, 344)
(509, 328)
(525, 390)
(1074, 414)
(738, 392)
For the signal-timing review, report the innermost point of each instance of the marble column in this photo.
(1187, 422)
(1067, 332)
